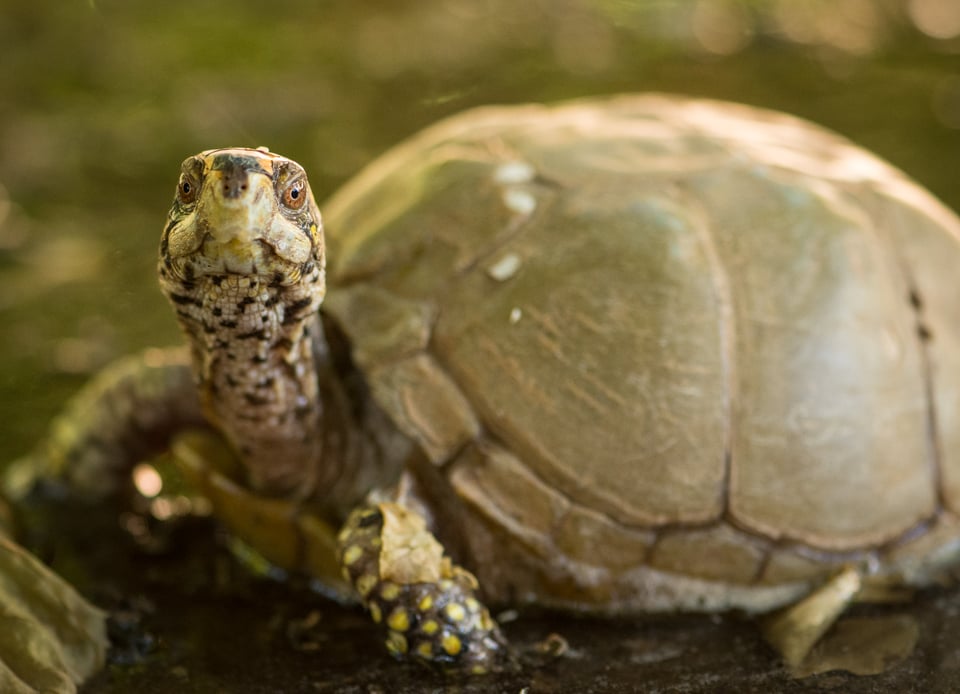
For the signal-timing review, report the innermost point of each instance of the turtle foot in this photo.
(427, 604)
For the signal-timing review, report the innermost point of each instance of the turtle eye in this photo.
(294, 195)
(186, 190)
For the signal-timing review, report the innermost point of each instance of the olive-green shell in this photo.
(715, 339)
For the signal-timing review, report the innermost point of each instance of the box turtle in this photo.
(640, 353)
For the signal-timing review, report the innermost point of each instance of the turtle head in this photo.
(242, 213)
(241, 261)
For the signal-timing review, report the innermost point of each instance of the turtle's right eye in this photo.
(294, 195)
(186, 190)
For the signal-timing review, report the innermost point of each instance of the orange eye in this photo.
(295, 195)
(186, 190)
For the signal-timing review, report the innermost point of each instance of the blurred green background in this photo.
(102, 99)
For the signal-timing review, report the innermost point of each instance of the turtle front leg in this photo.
(124, 414)
(427, 604)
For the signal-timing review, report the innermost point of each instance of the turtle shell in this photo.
(649, 336)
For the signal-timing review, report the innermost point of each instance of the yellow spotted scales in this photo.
(427, 604)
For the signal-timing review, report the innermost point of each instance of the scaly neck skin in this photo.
(242, 262)
(252, 347)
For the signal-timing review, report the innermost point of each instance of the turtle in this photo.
(638, 353)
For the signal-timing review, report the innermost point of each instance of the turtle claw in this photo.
(794, 632)
(427, 604)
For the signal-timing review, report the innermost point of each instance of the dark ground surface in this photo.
(189, 618)
(101, 102)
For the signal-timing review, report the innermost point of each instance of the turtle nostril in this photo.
(234, 181)
(233, 189)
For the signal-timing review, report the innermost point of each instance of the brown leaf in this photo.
(410, 553)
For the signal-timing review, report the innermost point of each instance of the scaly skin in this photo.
(248, 309)
(125, 414)
(242, 261)
(437, 619)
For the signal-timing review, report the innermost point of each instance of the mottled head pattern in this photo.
(242, 262)
(243, 213)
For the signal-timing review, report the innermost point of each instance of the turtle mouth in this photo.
(224, 263)
(255, 259)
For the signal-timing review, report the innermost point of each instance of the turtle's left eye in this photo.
(186, 190)
(294, 195)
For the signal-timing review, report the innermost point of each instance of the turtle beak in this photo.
(236, 204)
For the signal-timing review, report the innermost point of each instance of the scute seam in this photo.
(726, 329)
(922, 336)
